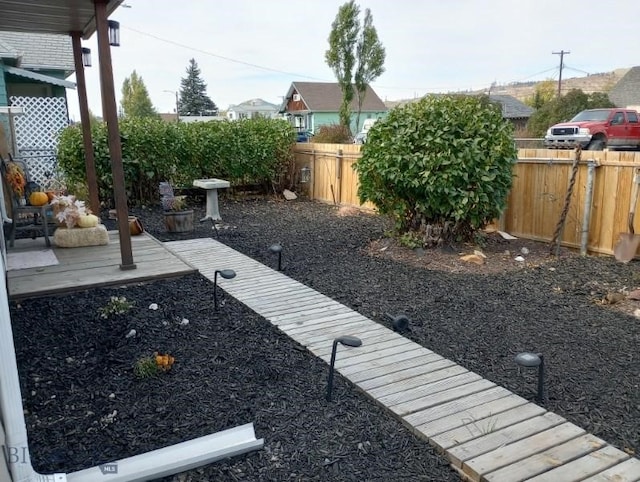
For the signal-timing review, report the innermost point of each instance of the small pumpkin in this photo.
(88, 221)
(38, 198)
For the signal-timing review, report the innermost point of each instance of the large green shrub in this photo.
(442, 165)
(250, 151)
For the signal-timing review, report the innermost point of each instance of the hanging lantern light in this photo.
(86, 57)
(305, 174)
(114, 33)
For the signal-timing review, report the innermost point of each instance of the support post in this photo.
(85, 120)
(110, 115)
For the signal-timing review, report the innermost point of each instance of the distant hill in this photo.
(602, 82)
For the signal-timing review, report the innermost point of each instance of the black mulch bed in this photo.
(234, 368)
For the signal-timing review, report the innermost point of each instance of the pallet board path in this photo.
(486, 432)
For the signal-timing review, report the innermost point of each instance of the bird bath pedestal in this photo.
(211, 186)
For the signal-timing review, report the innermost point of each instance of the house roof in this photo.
(627, 91)
(39, 50)
(327, 97)
(512, 108)
(254, 105)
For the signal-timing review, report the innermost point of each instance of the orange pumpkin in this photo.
(38, 198)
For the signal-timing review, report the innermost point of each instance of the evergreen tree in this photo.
(135, 98)
(194, 100)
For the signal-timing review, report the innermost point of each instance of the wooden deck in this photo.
(487, 432)
(91, 267)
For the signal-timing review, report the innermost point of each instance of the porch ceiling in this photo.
(51, 16)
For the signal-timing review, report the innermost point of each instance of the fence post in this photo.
(339, 177)
(312, 182)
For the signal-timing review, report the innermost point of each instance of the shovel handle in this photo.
(633, 200)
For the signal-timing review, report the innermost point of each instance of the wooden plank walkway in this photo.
(486, 432)
(93, 266)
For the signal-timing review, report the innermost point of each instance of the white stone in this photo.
(153, 306)
(288, 195)
(131, 334)
(524, 250)
(519, 259)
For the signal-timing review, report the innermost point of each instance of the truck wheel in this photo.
(596, 145)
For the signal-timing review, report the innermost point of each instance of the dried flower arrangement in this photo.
(68, 209)
(15, 178)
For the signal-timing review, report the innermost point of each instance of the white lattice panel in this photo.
(37, 132)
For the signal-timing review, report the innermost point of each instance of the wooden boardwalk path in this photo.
(487, 432)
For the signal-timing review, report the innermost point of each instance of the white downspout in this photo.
(147, 466)
(588, 200)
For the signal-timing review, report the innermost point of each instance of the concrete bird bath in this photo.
(211, 186)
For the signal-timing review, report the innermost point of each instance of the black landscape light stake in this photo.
(399, 323)
(226, 274)
(277, 249)
(347, 341)
(532, 360)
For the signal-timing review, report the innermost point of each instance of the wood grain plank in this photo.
(440, 398)
(367, 357)
(370, 346)
(475, 429)
(547, 460)
(418, 386)
(499, 438)
(484, 416)
(429, 363)
(584, 467)
(372, 366)
(627, 471)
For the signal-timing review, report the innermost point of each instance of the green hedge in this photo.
(252, 151)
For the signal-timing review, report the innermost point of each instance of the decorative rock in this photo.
(519, 259)
(131, 334)
(636, 313)
(78, 237)
(153, 306)
(634, 295)
(524, 250)
(288, 195)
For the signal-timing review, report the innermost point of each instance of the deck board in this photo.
(95, 266)
(485, 430)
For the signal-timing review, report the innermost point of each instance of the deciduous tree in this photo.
(135, 98)
(355, 54)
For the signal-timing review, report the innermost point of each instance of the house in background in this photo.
(626, 93)
(252, 109)
(513, 110)
(33, 69)
(309, 105)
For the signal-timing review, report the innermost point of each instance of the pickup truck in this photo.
(596, 129)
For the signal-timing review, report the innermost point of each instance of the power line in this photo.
(228, 59)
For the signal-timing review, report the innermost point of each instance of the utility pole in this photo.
(562, 53)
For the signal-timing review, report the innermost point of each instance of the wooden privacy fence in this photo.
(598, 210)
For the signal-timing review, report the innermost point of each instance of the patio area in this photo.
(40, 271)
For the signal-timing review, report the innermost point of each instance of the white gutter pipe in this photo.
(147, 466)
(588, 201)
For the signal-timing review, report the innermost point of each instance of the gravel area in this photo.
(233, 367)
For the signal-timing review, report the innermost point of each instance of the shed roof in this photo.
(512, 108)
(327, 97)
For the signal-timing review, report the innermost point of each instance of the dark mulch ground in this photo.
(234, 368)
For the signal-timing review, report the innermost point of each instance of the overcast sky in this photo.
(256, 48)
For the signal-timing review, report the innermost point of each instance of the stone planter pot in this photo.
(179, 221)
